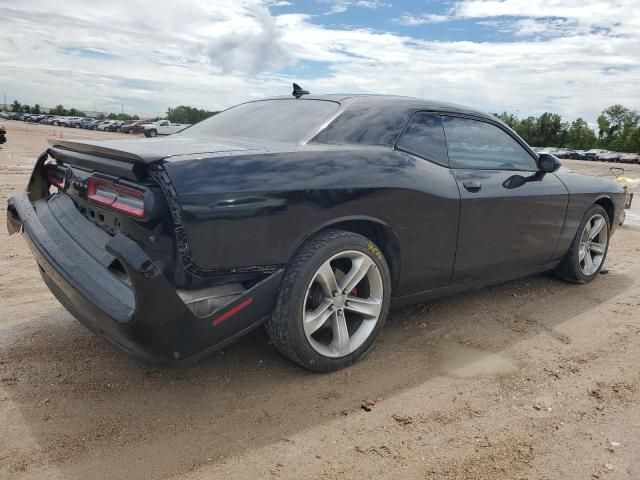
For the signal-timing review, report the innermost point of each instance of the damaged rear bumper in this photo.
(144, 315)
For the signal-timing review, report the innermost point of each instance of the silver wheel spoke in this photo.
(596, 228)
(593, 244)
(582, 252)
(369, 307)
(327, 279)
(588, 263)
(336, 324)
(316, 319)
(340, 343)
(359, 268)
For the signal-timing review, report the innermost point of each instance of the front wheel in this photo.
(585, 258)
(333, 301)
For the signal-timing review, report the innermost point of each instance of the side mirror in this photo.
(548, 163)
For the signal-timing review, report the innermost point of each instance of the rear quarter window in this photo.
(424, 136)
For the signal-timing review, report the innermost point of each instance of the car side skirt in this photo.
(466, 286)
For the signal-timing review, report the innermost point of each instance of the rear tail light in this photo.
(118, 197)
(56, 176)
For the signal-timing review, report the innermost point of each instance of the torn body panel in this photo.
(142, 314)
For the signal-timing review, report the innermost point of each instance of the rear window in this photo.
(276, 120)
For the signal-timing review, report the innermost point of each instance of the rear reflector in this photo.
(232, 311)
(124, 199)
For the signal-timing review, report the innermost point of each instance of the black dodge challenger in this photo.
(314, 214)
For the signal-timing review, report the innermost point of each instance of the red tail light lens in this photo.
(118, 197)
(55, 175)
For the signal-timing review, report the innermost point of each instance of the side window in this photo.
(164, 124)
(480, 145)
(425, 137)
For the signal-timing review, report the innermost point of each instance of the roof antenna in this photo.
(298, 91)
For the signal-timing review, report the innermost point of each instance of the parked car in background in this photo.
(630, 158)
(71, 122)
(593, 153)
(124, 125)
(113, 126)
(135, 127)
(311, 215)
(163, 127)
(92, 125)
(117, 126)
(607, 156)
(84, 122)
(58, 121)
(104, 125)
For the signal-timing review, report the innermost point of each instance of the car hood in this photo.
(151, 150)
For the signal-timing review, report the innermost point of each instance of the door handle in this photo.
(472, 185)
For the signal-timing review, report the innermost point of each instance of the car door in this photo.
(163, 128)
(511, 214)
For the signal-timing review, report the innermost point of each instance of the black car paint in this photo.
(245, 205)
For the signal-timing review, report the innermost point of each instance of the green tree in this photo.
(186, 114)
(26, 108)
(36, 108)
(16, 106)
(509, 118)
(551, 130)
(617, 128)
(58, 110)
(580, 135)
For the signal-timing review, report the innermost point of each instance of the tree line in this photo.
(179, 114)
(618, 130)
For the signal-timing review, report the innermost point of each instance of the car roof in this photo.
(376, 119)
(377, 100)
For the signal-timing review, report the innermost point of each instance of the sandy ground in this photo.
(534, 378)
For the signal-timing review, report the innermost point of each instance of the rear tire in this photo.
(324, 329)
(587, 254)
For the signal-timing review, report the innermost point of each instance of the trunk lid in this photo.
(153, 149)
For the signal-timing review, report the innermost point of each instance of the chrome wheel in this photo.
(593, 244)
(343, 303)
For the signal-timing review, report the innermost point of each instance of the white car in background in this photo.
(163, 127)
(103, 126)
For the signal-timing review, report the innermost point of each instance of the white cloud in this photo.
(255, 49)
(413, 20)
(571, 57)
(340, 6)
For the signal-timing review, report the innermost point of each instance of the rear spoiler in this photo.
(95, 163)
(102, 149)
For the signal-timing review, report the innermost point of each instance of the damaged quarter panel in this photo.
(270, 203)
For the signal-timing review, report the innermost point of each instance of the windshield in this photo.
(285, 120)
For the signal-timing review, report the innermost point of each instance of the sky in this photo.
(573, 57)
